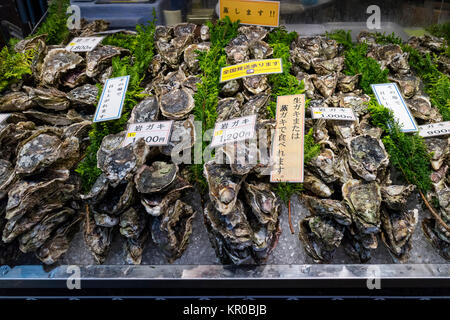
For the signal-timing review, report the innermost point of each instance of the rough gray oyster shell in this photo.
(99, 58)
(15, 101)
(84, 95)
(51, 99)
(328, 208)
(156, 177)
(98, 239)
(57, 63)
(145, 111)
(326, 84)
(363, 201)
(421, 108)
(367, 157)
(177, 104)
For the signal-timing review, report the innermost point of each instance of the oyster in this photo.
(409, 85)
(253, 33)
(363, 201)
(99, 58)
(224, 186)
(324, 165)
(182, 138)
(6, 174)
(155, 178)
(437, 240)
(263, 202)
(16, 101)
(329, 209)
(367, 157)
(145, 111)
(59, 243)
(316, 186)
(396, 196)
(320, 237)
(204, 33)
(37, 236)
(421, 108)
(325, 67)
(171, 230)
(112, 202)
(132, 223)
(57, 63)
(51, 99)
(98, 239)
(184, 29)
(255, 84)
(398, 228)
(84, 95)
(227, 109)
(134, 248)
(347, 83)
(260, 50)
(191, 54)
(177, 104)
(120, 163)
(44, 149)
(439, 149)
(230, 88)
(230, 234)
(325, 84)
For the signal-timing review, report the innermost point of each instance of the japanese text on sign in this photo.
(333, 113)
(251, 68)
(289, 138)
(154, 133)
(263, 13)
(4, 116)
(234, 130)
(83, 44)
(434, 129)
(389, 96)
(111, 101)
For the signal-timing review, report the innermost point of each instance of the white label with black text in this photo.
(111, 101)
(389, 96)
(333, 113)
(434, 129)
(4, 116)
(234, 130)
(83, 44)
(155, 133)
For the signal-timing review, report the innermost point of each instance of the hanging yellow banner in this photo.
(251, 68)
(262, 13)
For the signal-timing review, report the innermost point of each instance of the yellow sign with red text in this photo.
(251, 68)
(261, 13)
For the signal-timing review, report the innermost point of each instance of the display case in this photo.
(86, 198)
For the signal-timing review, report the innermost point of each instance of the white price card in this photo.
(156, 133)
(4, 116)
(234, 130)
(333, 113)
(111, 101)
(434, 129)
(83, 44)
(389, 96)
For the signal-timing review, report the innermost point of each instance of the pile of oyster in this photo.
(351, 196)
(141, 191)
(42, 142)
(242, 214)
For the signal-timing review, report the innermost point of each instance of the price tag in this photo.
(111, 101)
(4, 116)
(262, 13)
(251, 68)
(434, 129)
(333, 113)
(289, 139)
(83, 44)
(234, 130)
(389, 96)
(156, 133)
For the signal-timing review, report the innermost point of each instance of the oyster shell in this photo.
(191, 54)
(59, 243)
(367, 157)
(363, 201)
(326, 84)
(98, 239)
(182, 138)
(260, 50)
(398, 228)
(6, 174)
(230, 234)
(316, 186)
(84, 95)
(263, 202)
(16, 101)
(155, 178)
(409, 85)
(57, 63)
(396, 196)
(224, 186)
(421, 108)
(347, 83)
(320, 237)
(439, 149)
(177, 104)
(132, 223)
(51, 99)
(37, 236)
(329, 209)
(99, 58)
(324, 67)
(145, 111)
(255, 84)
